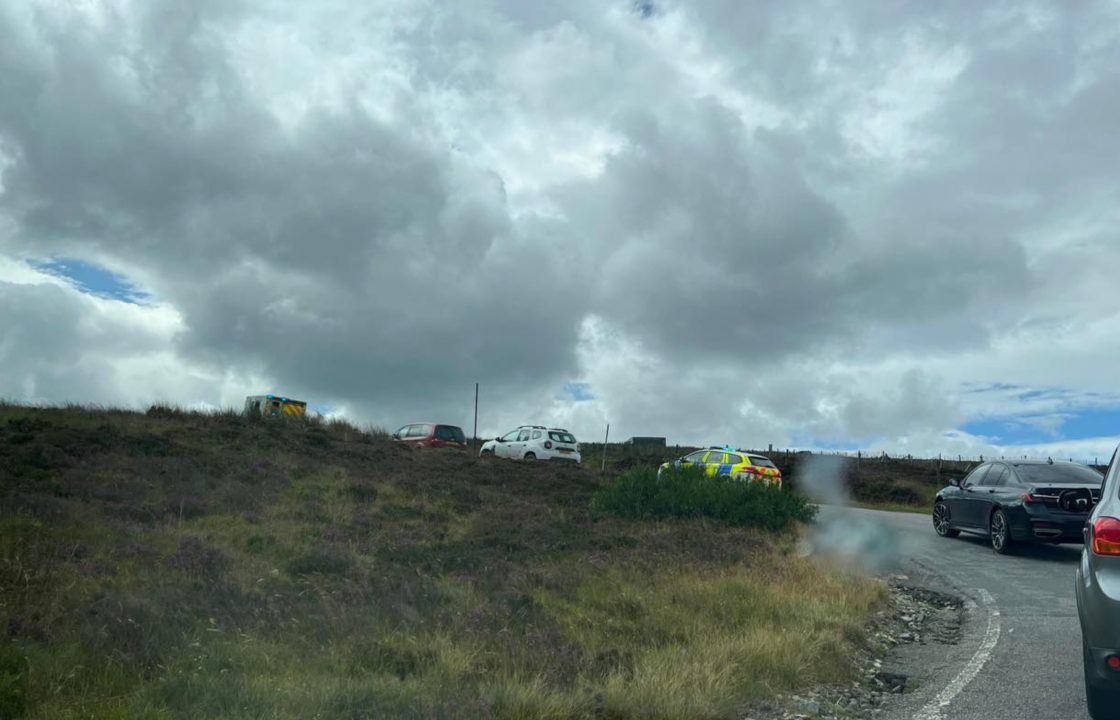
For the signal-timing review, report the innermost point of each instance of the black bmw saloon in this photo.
(1018, 501)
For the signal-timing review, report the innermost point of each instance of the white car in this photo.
(533, 442)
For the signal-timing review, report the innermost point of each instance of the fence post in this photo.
(603, 467)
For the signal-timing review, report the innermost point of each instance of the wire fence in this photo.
(863, 455)
(620, 456)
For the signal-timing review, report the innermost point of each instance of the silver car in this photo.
(1098, 598)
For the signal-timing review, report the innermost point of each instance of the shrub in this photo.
(362, 490)
(198, 559)
(13, 681)
(688, 492)
(164, 411)
(320, 560)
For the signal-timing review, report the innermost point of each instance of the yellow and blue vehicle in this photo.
(738, 464)
(274, 406)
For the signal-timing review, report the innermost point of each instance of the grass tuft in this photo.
(13, 681)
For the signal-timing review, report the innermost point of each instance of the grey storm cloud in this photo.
(345, 256)
(378, 207)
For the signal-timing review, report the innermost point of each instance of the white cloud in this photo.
(755, 224)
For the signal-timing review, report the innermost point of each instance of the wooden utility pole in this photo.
(476, 411)
(603, 467)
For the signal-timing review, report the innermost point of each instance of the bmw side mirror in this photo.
(956, 482)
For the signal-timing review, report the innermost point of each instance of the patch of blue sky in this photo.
(577, 391)
(1025, 393)
(1067, 424)
(94, 279)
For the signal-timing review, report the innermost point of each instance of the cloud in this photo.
(58, 343)
(788, 224)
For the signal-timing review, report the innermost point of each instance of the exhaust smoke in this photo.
(857, 535)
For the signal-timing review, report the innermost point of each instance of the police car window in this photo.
(761, 461)
(734, 459)
(717, 458)
(695, 457)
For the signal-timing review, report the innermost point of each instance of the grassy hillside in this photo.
(172, 565)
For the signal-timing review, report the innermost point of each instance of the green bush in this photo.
(688, 492)
(13, 681)
(320, 560)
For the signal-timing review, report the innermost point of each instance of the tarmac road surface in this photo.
(1020, 655)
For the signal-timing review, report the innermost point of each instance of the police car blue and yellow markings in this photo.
(731, 462)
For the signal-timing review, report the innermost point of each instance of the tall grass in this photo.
(183, 565)
(689, 493)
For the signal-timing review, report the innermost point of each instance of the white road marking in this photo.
(934, 708)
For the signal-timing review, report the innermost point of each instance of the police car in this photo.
(738, 464)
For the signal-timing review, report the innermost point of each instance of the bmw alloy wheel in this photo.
(941, 521)
(1000, 532)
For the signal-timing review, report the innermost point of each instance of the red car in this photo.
(432, 435)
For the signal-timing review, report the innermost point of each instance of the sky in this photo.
(886, 226)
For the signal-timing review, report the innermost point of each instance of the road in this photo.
(1021, 652)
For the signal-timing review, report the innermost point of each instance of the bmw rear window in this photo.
(559, 436)
(1058, 474)
(761, 461)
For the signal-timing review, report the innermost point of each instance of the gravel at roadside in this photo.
(914, 615)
